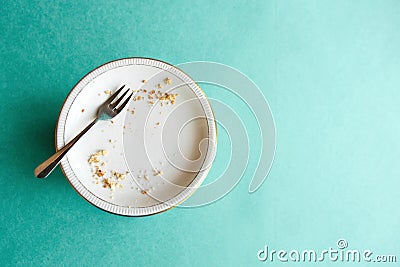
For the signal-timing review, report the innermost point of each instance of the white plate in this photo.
(164, 148)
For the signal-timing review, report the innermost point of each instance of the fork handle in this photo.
(44, 169)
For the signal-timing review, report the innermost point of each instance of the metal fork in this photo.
(106, 111)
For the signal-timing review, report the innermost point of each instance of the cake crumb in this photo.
(158, 173)
(167, 81)
(144, 192)
(107, 183)
(100, 173)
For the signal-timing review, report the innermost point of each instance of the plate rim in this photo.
(128, 211)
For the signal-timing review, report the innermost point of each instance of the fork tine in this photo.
(123, 105)
(111, 98)
(115, 104)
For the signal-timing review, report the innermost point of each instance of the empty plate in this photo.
(152, 156)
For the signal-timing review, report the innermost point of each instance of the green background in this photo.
(329, 69)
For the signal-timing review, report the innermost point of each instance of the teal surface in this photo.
(330, 71)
